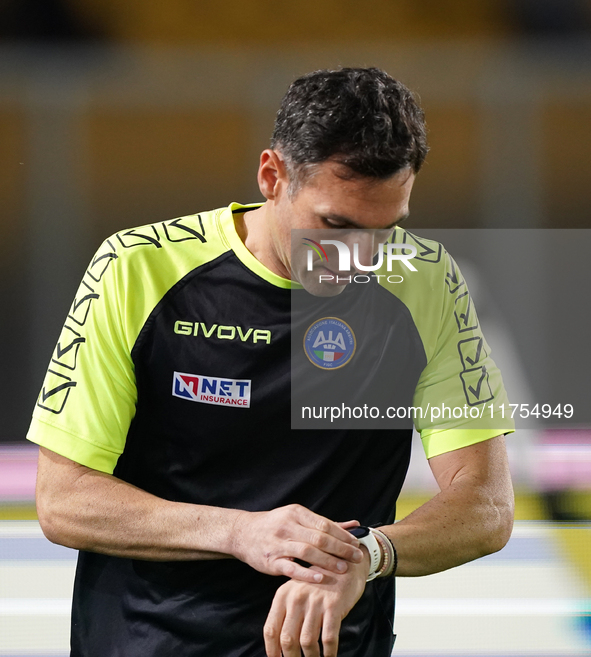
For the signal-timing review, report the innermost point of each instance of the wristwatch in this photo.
(365, 537)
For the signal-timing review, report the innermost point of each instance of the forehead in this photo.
(331, 191)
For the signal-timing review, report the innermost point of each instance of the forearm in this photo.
(463, 522)
(104, 514)
(90, 510)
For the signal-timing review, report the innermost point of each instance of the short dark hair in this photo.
(359, 117)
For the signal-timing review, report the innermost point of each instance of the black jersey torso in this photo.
(249, 457)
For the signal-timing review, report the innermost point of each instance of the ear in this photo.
(272, 175)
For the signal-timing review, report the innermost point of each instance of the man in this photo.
(167, 455)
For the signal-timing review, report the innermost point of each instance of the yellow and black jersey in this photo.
(176, 370)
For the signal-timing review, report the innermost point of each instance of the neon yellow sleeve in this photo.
(88, 397)
(461, 389)
(89, 394)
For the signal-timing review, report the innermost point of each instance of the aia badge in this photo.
(329, 343)
(212, 389)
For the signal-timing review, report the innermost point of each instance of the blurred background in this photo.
(118, 113)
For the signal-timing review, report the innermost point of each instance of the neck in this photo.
(255, 229)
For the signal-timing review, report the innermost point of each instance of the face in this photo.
(330, 206)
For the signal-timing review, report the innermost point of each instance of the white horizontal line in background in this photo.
(35, 606)
(413, 607)
(20, 529)
(491, 607)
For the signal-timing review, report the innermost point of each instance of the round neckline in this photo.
(229, 232)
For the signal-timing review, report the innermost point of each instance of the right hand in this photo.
(269, 541)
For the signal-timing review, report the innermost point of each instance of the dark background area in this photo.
(120, 113)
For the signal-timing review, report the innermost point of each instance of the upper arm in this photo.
(477, 479)
(483, 465)
(55, 473)
(56, 480)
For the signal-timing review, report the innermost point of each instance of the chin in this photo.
(313, 286)
(324, 290)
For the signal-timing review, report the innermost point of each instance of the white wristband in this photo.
(365, 537)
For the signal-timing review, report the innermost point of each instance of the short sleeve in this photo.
(88, 397)
(460, 391)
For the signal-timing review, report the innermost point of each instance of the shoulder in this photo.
(428, 257)
(189, 240)
(425, 278)
(416, 268)
(155, 256)
(134, 268)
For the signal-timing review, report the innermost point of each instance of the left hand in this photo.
(301, 612)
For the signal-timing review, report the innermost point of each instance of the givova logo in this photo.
(329, 343)
(212, 390)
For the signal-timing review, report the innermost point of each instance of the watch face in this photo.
(359, 532)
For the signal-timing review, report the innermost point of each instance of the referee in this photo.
(210, 523)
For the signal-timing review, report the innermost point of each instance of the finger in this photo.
(330, 635)
(293, 570)
(289, 636)
(315, 557)
(310, 634)
(272, 628)
(324, 525)
(331, 546)
(349, 524)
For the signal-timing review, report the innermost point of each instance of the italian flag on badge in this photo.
(329, 356)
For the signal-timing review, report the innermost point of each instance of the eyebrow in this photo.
(354, 224)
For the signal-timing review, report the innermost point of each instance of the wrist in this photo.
(371, 544)
(366, 561)
(382, 555)
(234, 540)
(389, 563)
